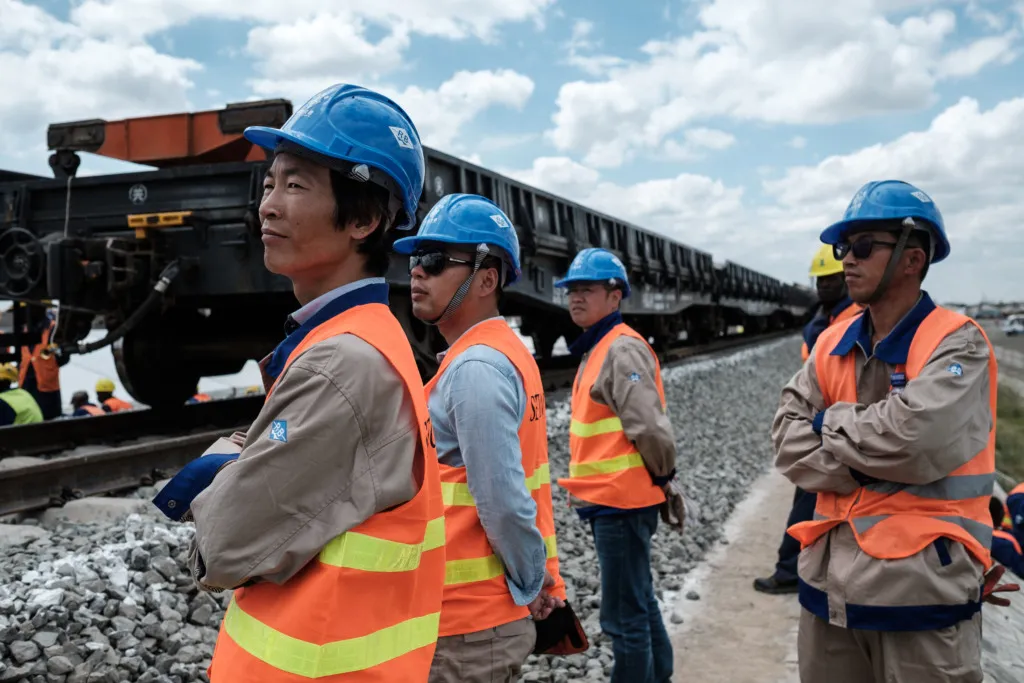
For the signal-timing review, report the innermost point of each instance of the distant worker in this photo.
(835, 307)
(81, 407)
(17, 406)
(891, 422)
(487, 409)
(198, 397)
(622, 463)
(105, 396)
(326, 518)
(835, 304)
(1006, 550)
(39, 370)
(1015, 512)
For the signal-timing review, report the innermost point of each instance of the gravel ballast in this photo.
(91, 603)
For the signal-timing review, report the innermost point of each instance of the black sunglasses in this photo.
(434, 262)
(861, 248)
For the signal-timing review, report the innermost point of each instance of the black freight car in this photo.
(172, 261)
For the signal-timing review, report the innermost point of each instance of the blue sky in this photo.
(739, 126)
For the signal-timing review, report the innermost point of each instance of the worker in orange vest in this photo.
(198, 397)
(1015, 512)
(39, 371)
(892, 423)
(1006, 549)
(107, 400)
(81, 407)
(326, 517)
(835, 306)
(622, 462)
(490, 428)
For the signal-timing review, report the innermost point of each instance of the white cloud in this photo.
(579, 47)
(967, 159)
(52, 71)
(759, 60)
(440, 113)
(798, 142)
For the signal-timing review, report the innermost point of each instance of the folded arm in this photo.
(940, 421)
(799, 453)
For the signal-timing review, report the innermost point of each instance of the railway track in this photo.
(182, 436)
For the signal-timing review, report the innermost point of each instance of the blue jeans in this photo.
(629, 610)
(789, 550)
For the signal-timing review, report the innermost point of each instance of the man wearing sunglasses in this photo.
(891, 422)
(487, 409)
(326, 517)
(835, 306)
(622, 463)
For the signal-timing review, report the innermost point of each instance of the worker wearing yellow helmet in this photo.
(17, 407)
(835, 304)
(105, 397)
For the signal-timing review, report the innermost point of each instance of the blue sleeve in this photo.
(7, 414)
(486, 423)
(1005, 554)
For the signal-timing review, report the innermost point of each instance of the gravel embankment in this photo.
(101, 602)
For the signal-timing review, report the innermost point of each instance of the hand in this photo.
(545, 603)
(673, 510)
(991, 579)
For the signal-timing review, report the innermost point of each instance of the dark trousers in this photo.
(789, 550)
(49, 404)
(629, 610)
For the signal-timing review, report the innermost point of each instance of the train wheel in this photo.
(151, 370)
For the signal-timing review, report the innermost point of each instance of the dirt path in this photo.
(734, 634)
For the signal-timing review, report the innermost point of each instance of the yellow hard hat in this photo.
(8, 372)
(105, 385)
(825, 262)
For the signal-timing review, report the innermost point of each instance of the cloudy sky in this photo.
(739, 126)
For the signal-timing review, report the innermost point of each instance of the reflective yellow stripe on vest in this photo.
(609, 425)
(456, 494)
(330, 659)
(371, 554)
(609, 466)
(484, 568)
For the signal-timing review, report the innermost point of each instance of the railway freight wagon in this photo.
(171, 259)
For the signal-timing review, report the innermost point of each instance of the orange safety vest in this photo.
(893, 524)
(851, 311)
(476, 596)
(47, 370)
(201, 398)
(366, 609)
(1007, 536)
(116, 405)
(605, 467)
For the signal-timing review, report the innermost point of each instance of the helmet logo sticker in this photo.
(402, 137)
(309, 107)
(921, 197)
(500, 220)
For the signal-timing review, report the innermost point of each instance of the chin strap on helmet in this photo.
(482, 251)
(890, 268)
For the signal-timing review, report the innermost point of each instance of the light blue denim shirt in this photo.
(476, 409)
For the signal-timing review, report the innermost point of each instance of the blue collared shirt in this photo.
(323, 308)
(479, 430)
(895, 348)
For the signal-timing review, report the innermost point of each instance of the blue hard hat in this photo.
(359, 127)
(596, 265)
(468, 219)
(890, 200)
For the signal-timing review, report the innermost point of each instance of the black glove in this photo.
(561, 633)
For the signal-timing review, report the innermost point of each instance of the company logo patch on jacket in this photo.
(956, 369)
(279, 431)
(634, 377)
